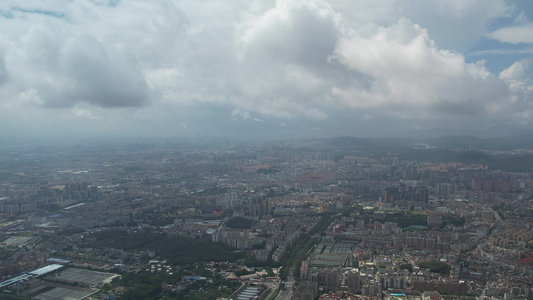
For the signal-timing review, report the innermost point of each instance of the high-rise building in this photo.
(353, 281)
(332, 280)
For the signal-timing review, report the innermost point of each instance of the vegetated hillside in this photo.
(450, 142)
(510, 163)
(457, 141)
(466, 141)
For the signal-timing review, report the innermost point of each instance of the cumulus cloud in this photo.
(272, 62)
(522, 90)
(97, 58)
(92, 73)
(243, 114)
(520, 84)
(455, 25)
(516, 76)
(412, 75)
(281, 62)
(398, 69)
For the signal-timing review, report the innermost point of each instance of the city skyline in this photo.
(90, 69)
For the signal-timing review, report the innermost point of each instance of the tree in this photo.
(239, 223)
(436, 266)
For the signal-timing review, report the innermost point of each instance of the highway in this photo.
(286, 293)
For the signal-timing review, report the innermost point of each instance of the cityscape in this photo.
(266, 150)
(339, 218)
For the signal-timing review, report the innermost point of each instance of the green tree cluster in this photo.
(239, 223)
(178, 250)
(436, 266)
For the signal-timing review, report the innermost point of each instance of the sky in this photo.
(273, 69)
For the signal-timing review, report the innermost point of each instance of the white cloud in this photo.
(517, 34)
(412, 77)
(499, 52)
(313, 60)
(520, 84)
(517, 72)
(243, 114)
(454, 24)
(92, 54)
(83, 113)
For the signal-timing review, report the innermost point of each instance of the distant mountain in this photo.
(456, 141)
(504, 131)
(349, 142)
(452, 142)
(510, 163)
(496, 131)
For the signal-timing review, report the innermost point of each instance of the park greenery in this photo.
(146, 285)
(436, 266)
(239, 223)
(251, 261)
(453, 220)
(406, 266)
(179, 250)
